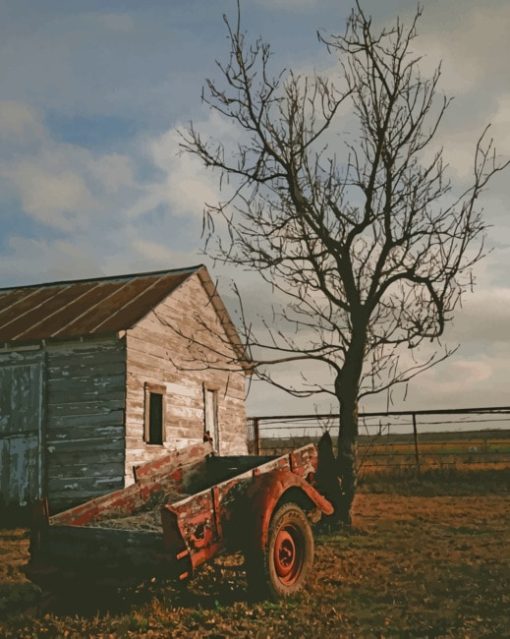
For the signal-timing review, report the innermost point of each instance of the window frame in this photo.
(159, 389)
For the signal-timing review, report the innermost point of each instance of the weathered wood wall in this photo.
(21, 427)
(85, 419)
(157, 354)
(82, 400)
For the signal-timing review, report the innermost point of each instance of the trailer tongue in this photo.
(184, 509)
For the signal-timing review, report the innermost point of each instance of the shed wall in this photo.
(22, 378)
(85, 420)
(157, 354)
(80, 448)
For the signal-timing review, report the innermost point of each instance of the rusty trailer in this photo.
(206, 505)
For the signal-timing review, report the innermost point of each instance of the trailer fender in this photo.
(270, 489)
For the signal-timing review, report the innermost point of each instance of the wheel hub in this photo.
(287, 556)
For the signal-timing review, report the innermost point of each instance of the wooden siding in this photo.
(85, 420)
(21, 427)
(157, 354)
(72, 447)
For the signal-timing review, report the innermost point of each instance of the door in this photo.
(211, 417)
(21, 436)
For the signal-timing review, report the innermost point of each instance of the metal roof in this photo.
(80, 308)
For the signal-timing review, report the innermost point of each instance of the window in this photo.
(154, 414)
(211, 417)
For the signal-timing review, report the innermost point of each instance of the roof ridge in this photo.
(106, 278)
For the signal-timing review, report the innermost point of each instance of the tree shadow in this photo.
(16, 598)
(217, 584)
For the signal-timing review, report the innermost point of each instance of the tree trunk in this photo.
(347, 390)
(328, 482)
(337, 478)
(347, 456)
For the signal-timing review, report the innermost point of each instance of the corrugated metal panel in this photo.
(10, 296)
(82, 308)
(148, 297)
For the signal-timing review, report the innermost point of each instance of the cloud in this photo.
(19, 121)
(459, 139)
(473, 327)
(113, 171)
(67, 187)
(472, 43)
(477, 381)
(501, 124)
(56, 199)
(29, 260)
(112, 211)
(185, 183)
(157, 254)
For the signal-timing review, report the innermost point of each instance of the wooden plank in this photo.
(91, 364)
(87, 470)
(68, 392)
(109, 418)
(87, 445)
(86, 364)
(179, 458)
(63, 500)
(100, 379)
(97, 455)
(92, 345)
(20, 356)
(86, 485)
(86, 431)
(85, 408)
(110, 551)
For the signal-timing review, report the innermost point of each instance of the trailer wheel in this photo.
(283, 566)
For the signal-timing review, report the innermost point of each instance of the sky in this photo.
(93, 92)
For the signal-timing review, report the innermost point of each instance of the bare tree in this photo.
(370, 246)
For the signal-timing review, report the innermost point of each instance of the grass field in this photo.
(429, 556)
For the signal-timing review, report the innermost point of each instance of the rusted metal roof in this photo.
(81, 308)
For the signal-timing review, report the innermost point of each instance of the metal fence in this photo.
(399, 439)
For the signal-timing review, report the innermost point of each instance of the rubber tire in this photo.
(263, 579)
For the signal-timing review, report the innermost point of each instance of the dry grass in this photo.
(436, 481)
(414, 566)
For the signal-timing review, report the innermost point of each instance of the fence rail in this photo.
(421, 438)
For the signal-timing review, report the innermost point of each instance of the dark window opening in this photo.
(155, 425)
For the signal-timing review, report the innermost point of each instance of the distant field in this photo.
(387, 452)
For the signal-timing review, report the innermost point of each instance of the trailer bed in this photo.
(181, 511)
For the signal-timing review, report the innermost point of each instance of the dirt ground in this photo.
(413, 566)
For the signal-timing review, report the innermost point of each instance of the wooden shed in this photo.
(98, 376)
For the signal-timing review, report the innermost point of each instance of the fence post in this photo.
(416, 448)
(256, 435)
